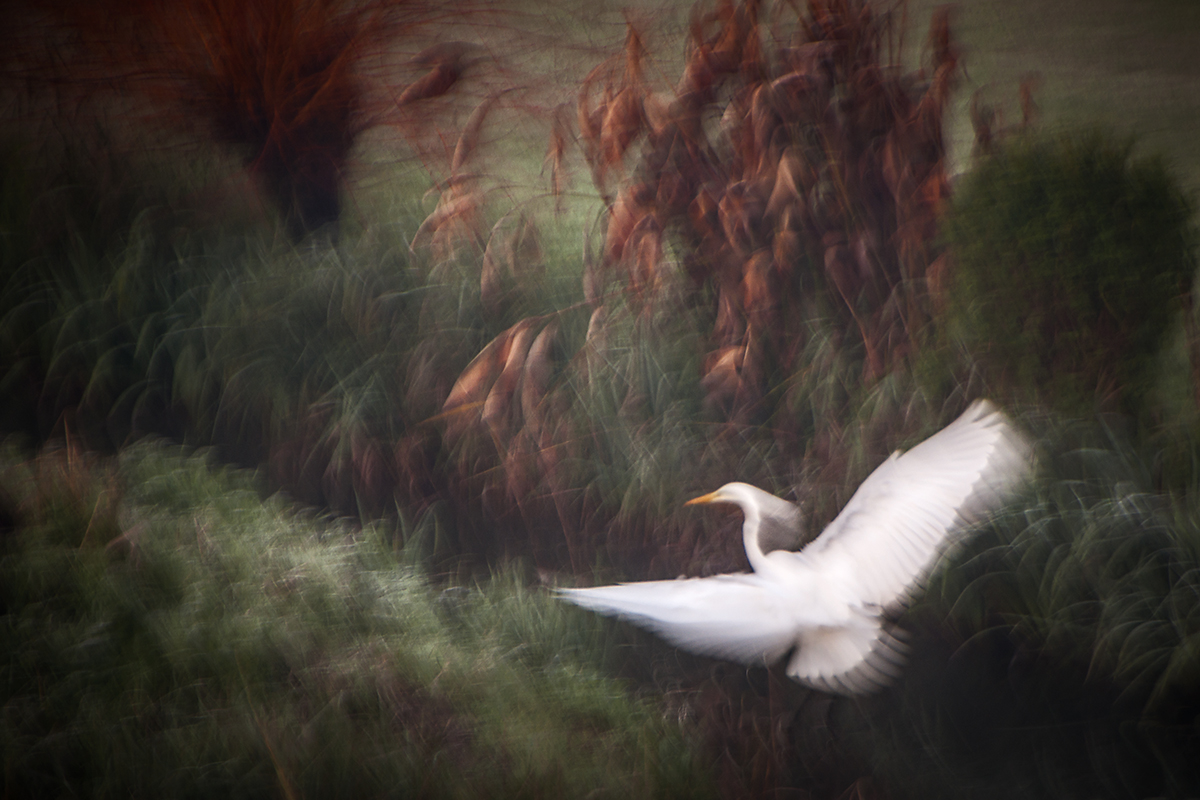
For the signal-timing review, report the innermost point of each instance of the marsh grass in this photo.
(168, 631)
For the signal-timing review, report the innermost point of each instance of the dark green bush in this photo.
(1072, 257)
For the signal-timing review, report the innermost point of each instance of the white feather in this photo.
(824, 604)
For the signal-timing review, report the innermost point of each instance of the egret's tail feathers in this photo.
(849, 660)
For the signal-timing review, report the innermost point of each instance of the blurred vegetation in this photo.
(814, 195)
(288, 86)
(1073, 261)
(767, 290)
(166, 632)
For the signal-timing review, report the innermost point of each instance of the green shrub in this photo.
(1071, 260)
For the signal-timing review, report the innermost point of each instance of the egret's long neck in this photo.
(758, 559)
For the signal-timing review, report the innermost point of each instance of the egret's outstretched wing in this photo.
(727, 616)
(855, 658)
(909, 511)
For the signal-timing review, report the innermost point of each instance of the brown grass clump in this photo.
(284, 82)
(507, 436)
(795, 169)
(793, 173)
(458, 218)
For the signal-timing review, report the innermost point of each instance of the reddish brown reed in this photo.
(788, 170)
(825, 174)
(284, 82)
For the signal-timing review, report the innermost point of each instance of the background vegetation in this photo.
(371, 293)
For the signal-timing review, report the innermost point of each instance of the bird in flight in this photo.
(825, 607)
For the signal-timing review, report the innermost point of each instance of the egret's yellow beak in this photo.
(711, 497)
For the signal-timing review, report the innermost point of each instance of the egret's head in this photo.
(771, 522)
(739, 494)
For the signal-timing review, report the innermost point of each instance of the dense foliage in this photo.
(165, 632)
(1073, 260)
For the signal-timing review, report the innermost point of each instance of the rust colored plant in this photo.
(282, 81)
(507, 434)
(798, 170)
(792, 175)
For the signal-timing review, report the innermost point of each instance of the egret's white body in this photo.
(826, 603)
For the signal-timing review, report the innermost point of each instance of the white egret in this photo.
(826, 604)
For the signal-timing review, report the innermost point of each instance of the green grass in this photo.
(166, 631)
